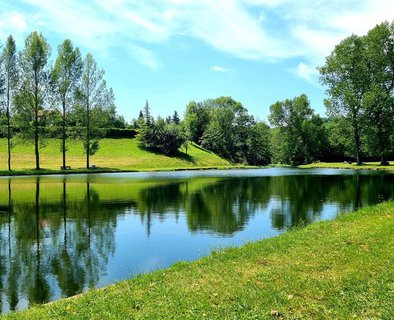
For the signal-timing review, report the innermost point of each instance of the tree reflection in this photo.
(67, 240)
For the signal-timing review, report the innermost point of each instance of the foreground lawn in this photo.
(113, 155)
(342, 165)
(341, 269)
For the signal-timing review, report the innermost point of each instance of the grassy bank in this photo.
(113, 155)
(343, 165)
(339, 269)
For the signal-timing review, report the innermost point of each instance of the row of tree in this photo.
(359, 76)
(38, 96)
(296, 135)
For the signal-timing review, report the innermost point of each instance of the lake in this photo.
(61, 235)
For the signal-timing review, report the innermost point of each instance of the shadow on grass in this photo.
(179, 154)
(43, 171)
(195, 145)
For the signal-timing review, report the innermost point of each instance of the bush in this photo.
(120, 133)
(162, 137)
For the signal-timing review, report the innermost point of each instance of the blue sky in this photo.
(174, 51)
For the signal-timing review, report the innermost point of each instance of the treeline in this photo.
(66, 99)
(359, 76)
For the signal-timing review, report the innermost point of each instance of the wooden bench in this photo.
(65, 168)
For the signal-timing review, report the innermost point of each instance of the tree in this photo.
(299, 131)
(339, 136)
(65, 77)
(147, 116)
(258, 151)
(9, 59)
(162, 137)
(346, 75)
(175, 118)
(94, 99)
(228, 129)
(197, 117)
(31, 97)
(379, 99)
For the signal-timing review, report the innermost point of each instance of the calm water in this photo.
(62, 235)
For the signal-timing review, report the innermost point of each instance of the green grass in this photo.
(341, 269)
(113, 155)
(343, 165)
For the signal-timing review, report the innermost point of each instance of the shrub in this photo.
(162, 137)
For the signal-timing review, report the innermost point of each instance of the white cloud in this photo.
(12, 23)
(219, 69)
(267, 30)
(146, 57)
(307, 72)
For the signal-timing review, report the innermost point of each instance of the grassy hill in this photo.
(114, 154)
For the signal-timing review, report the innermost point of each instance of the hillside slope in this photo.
(121, 154)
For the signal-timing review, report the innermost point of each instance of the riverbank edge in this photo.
(42, 172)
(375, 166)
(320, 165)
(330, 269)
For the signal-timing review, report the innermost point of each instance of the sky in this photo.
(171, 52)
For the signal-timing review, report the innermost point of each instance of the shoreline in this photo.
(319, 165)
(46, 172)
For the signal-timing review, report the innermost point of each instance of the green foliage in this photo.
(339, 135)
(8, 60)
(299, 136)
(379, 99)
(230, 131)
(175, 118)
(359, 74)
(120, 133)
(94, 102)
(93, 147)
(197, 117)
(32, 97)
(258, 151)
(162, 137)
(65, 79)
(219, 135)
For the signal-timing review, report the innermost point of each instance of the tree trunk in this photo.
(383, 162)
(8, 126)
(36, 151)
(64, 135)
(357, 143)
(87, 135)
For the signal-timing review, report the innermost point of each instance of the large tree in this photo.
(197, 117)
(299, 132)
(346, 76)
(31, 98)
(65, 79)
(228, 129)
(258, 150)
(379, 99)
(95, 99)
(9, 59)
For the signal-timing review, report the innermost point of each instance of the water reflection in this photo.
(60, 236)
